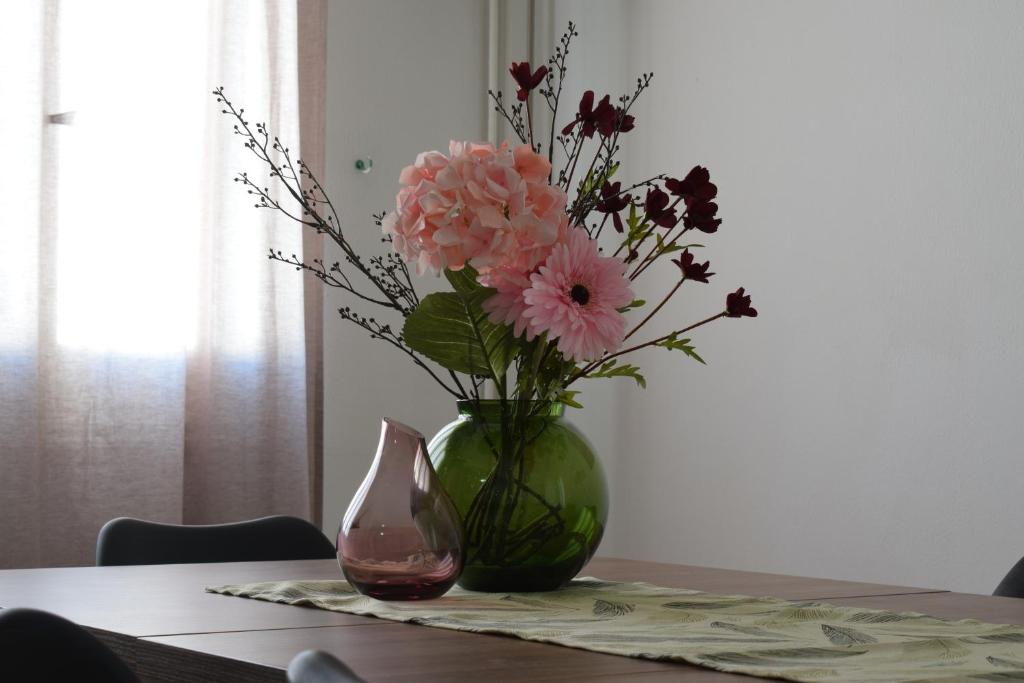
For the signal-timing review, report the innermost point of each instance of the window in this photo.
(133, 155)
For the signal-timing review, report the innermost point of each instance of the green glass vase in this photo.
(531, 493)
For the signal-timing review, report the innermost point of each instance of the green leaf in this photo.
(681, 345)
(637, 226)
(591, 182)
(451, 329)
(633, 220)
(569, 399)
(464, 281)
(670, 247)
(635, 303)
(613, 369)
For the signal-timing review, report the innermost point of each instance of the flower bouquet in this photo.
(540, 245)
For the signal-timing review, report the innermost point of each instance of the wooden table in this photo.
(159, 619)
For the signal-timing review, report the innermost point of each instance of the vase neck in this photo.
(399, 445)
(492, 410)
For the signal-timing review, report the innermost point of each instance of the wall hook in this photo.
(364, 165)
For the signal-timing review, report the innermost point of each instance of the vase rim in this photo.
(490, 408)
(401, 427)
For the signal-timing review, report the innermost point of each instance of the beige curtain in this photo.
(153, 362)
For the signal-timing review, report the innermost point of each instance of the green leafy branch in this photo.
(672, 342)
(612, 368)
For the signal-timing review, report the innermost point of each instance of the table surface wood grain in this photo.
(162, 622)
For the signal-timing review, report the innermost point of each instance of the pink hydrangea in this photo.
(489, 206)
(574, 297)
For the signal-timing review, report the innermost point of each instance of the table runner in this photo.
(798, 641)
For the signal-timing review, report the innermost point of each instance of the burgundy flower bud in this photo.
(526, 80)
(694, 271)
(612, 201)
(737, 305)
(656, 209)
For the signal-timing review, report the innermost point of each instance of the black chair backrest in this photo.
(39, 646)
(316, 666)
(134, 541)
(1012, 585)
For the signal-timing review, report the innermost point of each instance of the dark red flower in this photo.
(604, 117)
(695, 187)
(656, 209)
(526, 80)
(697, 191)
(738, 305)
(693, 271)
(612, 201)
(600, 118)
(586, 109)
(701, 215)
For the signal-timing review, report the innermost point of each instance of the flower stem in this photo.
(529, 119)
(656, 309)
(653, 342)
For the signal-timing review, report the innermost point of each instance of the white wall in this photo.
(402, 77)
(870, 158)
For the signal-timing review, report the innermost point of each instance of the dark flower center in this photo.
(579, 294)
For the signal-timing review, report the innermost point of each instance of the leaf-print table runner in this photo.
(798, 641)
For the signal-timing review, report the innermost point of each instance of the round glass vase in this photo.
(530, 491)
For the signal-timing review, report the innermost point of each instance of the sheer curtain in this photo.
(153, 362)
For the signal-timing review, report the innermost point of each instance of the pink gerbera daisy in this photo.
(575, 296)
(506, 306)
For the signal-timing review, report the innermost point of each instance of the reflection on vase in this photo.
(401, 538)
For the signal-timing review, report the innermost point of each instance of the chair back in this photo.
(39, 646)
(316, 666)
(1012, 585)
(134, 541)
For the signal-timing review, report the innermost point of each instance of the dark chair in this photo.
(39, 646)
(134, 541)
(1012, 585)
(315, 666)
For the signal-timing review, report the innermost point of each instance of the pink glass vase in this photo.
(401, 538)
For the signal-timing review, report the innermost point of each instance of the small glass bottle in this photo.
(401, 537)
